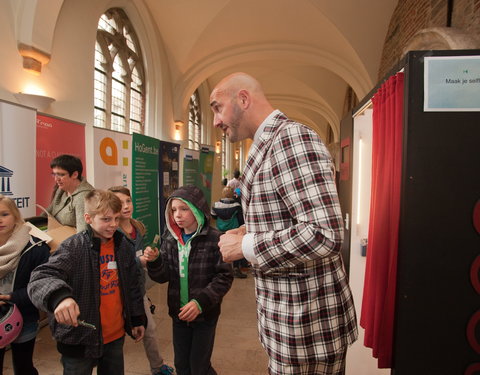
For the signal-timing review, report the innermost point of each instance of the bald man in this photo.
(292, 235)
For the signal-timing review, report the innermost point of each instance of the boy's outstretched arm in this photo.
(157, 267)
(48, 285)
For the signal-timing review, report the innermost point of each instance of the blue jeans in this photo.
(193, 347)
(110, 363)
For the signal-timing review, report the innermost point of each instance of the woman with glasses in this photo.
(67, 204)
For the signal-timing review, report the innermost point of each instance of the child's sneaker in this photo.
(166, 370)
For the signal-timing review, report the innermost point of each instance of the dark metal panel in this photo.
(437, 243)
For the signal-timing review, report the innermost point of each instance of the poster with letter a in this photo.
(112, 158)
(17, 156)
(55, 136)
(145, 194)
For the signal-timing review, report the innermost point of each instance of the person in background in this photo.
(20, 254)
(90, 288)
(292, 236)
(237, 195)
(228, 215)
(234, 183)
(224, 182)
(134, 230)
(190, 261)
(67, 205)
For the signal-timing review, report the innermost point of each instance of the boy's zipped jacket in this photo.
(209, 277)
(74, 271)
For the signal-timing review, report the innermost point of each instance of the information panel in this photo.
(452, 83)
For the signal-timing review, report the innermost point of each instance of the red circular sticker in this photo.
(473, 369)
(471, 329)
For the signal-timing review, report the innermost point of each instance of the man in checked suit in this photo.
(292, 235)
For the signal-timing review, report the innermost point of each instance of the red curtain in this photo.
(378, 306)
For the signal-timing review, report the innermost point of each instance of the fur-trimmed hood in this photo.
(195, 196)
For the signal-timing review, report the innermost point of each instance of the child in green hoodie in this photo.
(190, 261)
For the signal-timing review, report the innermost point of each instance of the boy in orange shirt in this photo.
(91, 286)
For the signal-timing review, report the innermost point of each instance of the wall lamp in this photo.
(178, 130)
(39, 102)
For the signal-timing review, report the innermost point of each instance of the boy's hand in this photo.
(150, 254)
(189, 312)
(67, 312)
(138, 333)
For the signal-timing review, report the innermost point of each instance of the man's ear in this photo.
(88, 218)
(74, 174)
(244, 99)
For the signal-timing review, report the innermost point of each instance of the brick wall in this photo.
(411, 16)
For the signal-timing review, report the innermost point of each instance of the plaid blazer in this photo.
(304, 304)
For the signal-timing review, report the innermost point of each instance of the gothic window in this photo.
(194, 122)
(119, 82)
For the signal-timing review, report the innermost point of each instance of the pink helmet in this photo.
(11, 323)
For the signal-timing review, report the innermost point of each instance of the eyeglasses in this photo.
(59, 175)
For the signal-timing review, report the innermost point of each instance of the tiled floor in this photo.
(237, 349)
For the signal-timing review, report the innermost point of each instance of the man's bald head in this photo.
(235, 82)
(239, 106)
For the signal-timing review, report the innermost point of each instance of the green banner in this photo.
(190, 167)
(145, 151)
(207, 155)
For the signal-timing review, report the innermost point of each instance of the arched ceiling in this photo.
(305, 53)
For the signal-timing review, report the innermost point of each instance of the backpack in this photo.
(232, 223)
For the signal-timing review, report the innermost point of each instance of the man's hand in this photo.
(138, 333)
(67, 312)
(189, 312)
(240, 230)
(231, 244)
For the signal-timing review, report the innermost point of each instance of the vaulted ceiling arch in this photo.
(277, 54)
